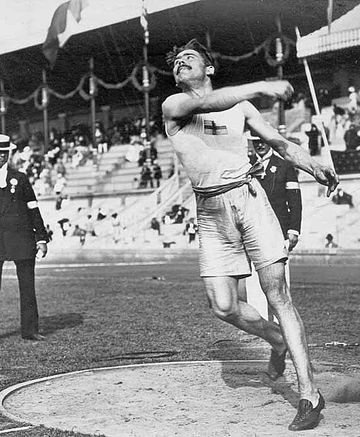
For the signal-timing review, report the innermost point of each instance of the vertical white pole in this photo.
(316, 105)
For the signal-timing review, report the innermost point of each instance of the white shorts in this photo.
(236, 227)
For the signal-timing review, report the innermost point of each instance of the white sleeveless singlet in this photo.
(213, 148)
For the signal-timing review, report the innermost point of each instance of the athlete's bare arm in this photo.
(290, 151)
(181, 106)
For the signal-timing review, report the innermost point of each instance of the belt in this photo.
(205, 192)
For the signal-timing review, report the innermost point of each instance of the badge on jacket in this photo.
(13, 183)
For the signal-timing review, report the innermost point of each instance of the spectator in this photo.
(89, 226)
(191, 229)
(101, 215)
(49, 232)
(330, 243)
(353, 104)
(79, 232)
(142, 156)
(352, 137)
(153, 152)
(155, 225)
(78, 158)
(146, 177)
(58, 189)
(157, 173)
(313, 135)
(167, 219)
(342, 198)
(59, 167)
(180, 213)
(116, 226)
(100, 139)
(64, 224)
(167, 244)
(133, 152)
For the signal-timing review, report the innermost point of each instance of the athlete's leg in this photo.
(226, 295)
(272, 279)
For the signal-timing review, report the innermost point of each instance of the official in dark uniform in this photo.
(281, 185)
(22, 236)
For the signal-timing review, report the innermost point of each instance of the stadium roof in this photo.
(235, 27)
(24, 23)
(345, 33)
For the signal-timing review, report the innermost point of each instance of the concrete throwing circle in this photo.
(206, 398)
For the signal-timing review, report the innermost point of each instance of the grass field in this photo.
(105, 315)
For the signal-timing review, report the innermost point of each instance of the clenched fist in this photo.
(326, 176)
(281, 89)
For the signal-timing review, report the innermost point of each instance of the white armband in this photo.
(292, 186)
(32, 204)
(292, 231)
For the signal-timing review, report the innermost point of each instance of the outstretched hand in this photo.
(281, 89)
(326, 176)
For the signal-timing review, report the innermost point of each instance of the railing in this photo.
(133, 214)
(137, 216)
(144, 223)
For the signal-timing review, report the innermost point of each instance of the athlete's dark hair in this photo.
(191, 45)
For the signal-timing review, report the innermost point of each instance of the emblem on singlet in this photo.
(211, 128)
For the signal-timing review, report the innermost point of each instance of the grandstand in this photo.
(110, 181)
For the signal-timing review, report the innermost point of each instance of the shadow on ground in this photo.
(56, 322)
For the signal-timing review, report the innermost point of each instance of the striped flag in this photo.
(144, 22)
(63, 24)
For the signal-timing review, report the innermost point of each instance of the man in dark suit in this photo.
(22, 236)
(281, 185)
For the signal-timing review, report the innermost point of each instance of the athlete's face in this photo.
(261, 148)
(189, 65)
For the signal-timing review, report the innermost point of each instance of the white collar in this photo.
(266, 156)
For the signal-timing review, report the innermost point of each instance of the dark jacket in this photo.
(282, 188)
(21, 224)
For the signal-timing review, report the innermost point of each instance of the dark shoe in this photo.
(307, 417)
(35, 337)
(276, 365)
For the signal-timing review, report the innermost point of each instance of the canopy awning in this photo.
(345, 33)
(24, 23)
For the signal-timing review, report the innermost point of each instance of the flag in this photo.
(63, 24)
(330, 13)
(144, 22)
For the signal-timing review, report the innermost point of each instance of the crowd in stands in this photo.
(74, 147)
(146, 157)
(343, 127)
